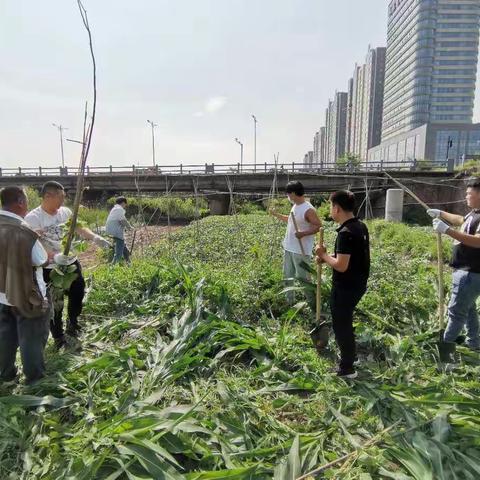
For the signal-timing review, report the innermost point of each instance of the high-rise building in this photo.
(431, 63)
(336, 128)
(365, 104)
(319, 147)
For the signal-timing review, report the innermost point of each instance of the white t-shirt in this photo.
(39, 257)
(290, 242)
(51, 226)
(116, 222)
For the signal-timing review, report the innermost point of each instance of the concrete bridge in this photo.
(436, 187)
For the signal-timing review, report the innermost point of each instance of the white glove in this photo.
(100, 242)
(434, 213)
(440, 226)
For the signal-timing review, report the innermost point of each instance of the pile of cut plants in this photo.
(194, 367)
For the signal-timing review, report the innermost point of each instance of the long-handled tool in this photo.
(295, 224)
(319, 281)
(446, 349)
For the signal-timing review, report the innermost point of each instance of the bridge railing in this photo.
(211, 168)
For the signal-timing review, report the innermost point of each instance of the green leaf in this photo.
(290, 468)
(33, 401)
(149, 459)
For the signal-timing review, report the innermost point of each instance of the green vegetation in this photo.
(151, 209)
(193, 367)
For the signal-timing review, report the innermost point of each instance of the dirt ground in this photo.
(144, 237)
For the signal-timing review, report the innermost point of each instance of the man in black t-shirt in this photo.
(462, 309)
(351, 268)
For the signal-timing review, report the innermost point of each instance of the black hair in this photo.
(51, 187)
(10, 196)
(474, 183)
(344, 199)
(295, 187)
(120, 200)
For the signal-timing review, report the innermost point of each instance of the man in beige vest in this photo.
(24, 307)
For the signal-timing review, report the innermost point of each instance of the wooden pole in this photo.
(294, 220)
(440, 259)
(319, 280)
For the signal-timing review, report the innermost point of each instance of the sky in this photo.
(197, 68)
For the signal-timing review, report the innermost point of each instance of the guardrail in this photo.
(209, 169)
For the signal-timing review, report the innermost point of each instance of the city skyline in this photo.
(425, 76)
(211, 68)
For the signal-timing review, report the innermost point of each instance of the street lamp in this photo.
(61, 129)
(153, 125)
(254, 143)
(241, 153)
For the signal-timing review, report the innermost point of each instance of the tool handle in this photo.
(319, 281)
(295, 224)
(441, 285)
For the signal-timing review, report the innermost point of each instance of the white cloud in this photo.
(215, 104)
(212, 105)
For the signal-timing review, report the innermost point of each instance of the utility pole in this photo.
(449, 146)
(61, 128)
(241, 153)
(153, 125)
(254, 143)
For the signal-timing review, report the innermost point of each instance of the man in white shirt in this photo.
(49, 221)
(298, 246)
(115, 226)
(24, 306)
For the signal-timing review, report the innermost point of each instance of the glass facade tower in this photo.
(431, 63)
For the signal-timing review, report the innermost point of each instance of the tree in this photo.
(349, 162)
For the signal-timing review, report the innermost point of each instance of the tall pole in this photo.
(241, 153)
(61, 129)
(254, 143)
(153, 125)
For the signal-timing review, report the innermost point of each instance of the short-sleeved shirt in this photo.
(464, 257)
(353, 239)
(52, 226)
(116, 222)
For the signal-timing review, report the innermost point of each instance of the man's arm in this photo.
(283, 218)
(87, 234)
(452, 219)
(465, 238)
(339, 263)
(312, 218)
(40, 257)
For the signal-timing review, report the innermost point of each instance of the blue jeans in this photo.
(121, 251)
(462, 309)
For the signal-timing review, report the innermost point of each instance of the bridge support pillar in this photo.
(219, 203)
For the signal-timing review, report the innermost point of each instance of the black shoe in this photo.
(74, 330)
(460, 340)
(59, 342)
(350, 373)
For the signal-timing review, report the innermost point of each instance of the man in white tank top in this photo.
(298, 245)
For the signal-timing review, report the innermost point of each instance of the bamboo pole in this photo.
(87, 134)
(294, 220)
(319, 280)
(440, 259)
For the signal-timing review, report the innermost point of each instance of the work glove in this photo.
(440, 226)
(434, 212)
(100, 242)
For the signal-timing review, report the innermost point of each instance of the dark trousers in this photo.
(31, 335)
(121, 250)
(342, 304)
(75, 302)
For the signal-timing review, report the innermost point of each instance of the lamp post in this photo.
(61, 128)
(254, 143)
(241, 153)
(153, 125)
